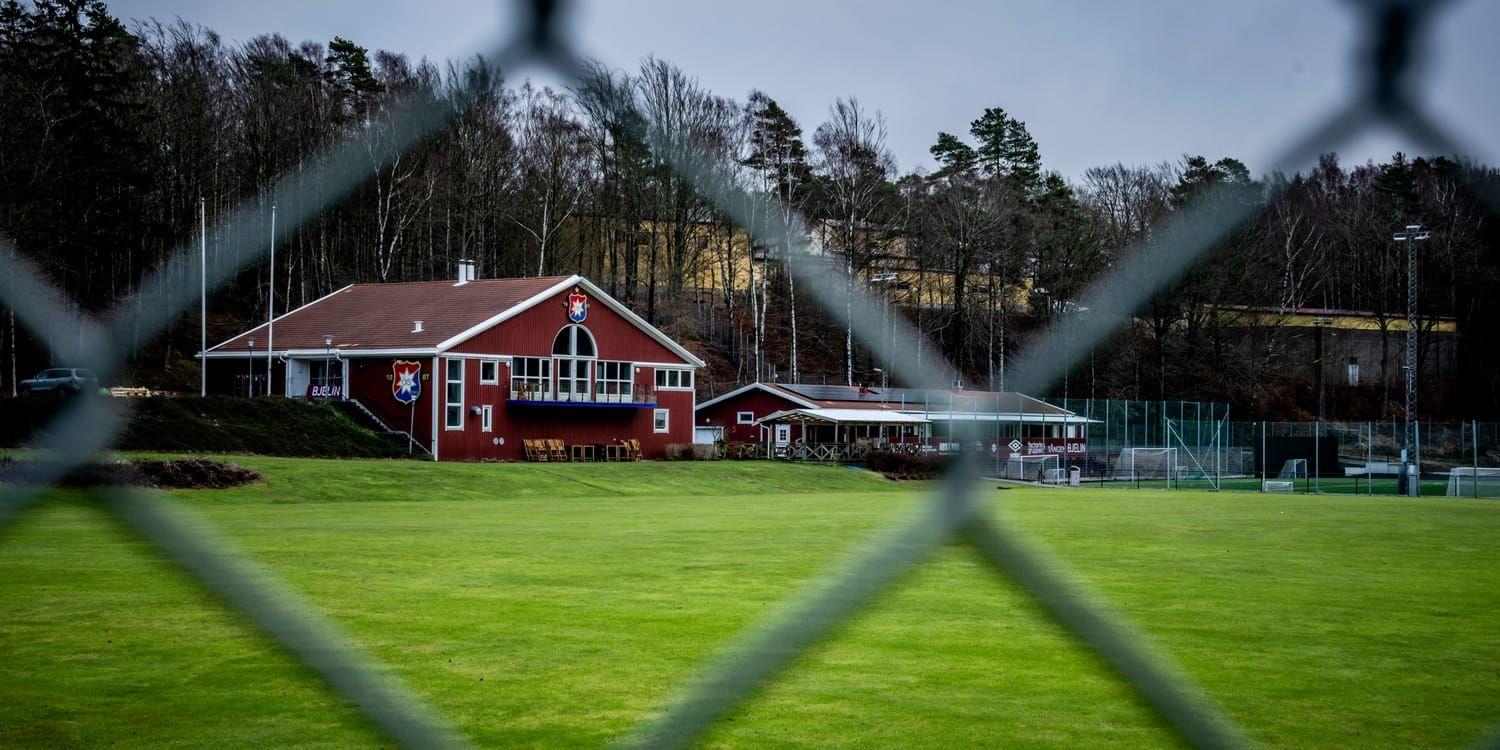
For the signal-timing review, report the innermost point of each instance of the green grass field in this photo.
(555, 606)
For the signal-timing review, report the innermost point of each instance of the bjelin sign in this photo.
(1058, 446)
(332, 390)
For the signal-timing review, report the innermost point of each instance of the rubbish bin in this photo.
(1074, 475)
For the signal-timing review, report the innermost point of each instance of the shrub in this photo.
(679, 452)
(703, 452)
(907, 465)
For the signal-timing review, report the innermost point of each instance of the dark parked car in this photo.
(59, 382)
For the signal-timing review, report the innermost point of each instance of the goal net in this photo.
(1294, 468)
(1031, 468)
(1469, 481)
(1147, 464)
(1276, 485)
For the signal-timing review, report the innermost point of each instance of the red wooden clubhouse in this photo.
(471, 369)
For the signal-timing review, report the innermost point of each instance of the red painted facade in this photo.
(527, 330)
(759, 403)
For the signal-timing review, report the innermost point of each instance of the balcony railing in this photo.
(602, 394)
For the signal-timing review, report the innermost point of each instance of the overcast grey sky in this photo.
(1095, 81)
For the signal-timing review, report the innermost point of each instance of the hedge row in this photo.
(217, 424)
(908, 465)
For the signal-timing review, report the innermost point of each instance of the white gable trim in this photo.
(798, 400)
(278, 317)
(576, 280)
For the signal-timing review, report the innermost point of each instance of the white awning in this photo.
(1016, 417)
(843, 416)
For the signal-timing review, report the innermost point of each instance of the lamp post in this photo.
(250, 368)
(327, 360)
(1411, 449)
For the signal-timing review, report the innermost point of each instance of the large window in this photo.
(574, 350)
(674, 378)
(453, 413)
(531, 378)
(613, 381)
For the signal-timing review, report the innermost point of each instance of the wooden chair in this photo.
(632, 449)
(556, 451)
(534, 451)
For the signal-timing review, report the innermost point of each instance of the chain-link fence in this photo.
(1394, 35)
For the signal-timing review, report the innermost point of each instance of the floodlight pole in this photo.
(1411, 450)
(202, 297)
(271, 305)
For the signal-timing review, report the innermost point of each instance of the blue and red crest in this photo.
(406, 381)
(577, 306)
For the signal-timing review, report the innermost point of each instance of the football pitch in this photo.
(559, 605)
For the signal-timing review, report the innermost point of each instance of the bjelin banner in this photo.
(329, 390)
(1044, 446)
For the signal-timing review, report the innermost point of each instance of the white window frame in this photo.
(674, 379)
(448, 403)
(521, 373)
(661, 420)
(486, 418)
(494, 367)
(618, 389)
(744, 417)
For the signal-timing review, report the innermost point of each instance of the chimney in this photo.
(416, 326)
(473, 274)
(465, 271)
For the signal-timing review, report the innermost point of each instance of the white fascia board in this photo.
(507, 314)
(321, 353)
(798, 400)
(279, 317)
(641, 323)
(690, 360)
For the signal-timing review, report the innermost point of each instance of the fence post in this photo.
(1262, 455)
(1474, 428)
(1317, 481)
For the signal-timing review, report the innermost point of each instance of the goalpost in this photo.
(1209, 467)
(1039, 468)
(1474, 481)
(1147, 464)
(1286, 480)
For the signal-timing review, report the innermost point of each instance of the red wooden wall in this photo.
(724, 414)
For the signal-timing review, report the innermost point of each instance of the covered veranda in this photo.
(840, 434)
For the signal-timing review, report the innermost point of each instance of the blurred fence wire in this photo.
(1395, 37)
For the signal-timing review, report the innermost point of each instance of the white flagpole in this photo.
(203, 297)
(271, 304)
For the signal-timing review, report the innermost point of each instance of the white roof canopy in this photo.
(843, 416)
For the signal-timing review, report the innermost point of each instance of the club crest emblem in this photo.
(577, 306)
(406, 381)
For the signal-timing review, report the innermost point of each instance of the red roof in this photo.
(380, 316)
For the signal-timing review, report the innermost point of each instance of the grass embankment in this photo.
(557, 605)
(217, 424)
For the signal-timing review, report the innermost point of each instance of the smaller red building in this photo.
(782, 414)
(471, 368)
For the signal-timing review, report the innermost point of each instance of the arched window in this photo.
(573, 348)
(574, 341)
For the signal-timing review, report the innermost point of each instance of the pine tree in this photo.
(956, 156)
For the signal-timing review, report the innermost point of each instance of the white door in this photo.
(297, 377)
(783, 434)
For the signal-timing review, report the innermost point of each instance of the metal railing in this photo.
(635, 394)
(1394, 35)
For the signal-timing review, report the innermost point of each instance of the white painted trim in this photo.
(434, 399)
(670, 365)
(667, 413)
(798, 400)
(496, 380)
(740, 417)
(463, 387)
(507, 314)
(283, 315)
(319, 353)
(689, 359)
